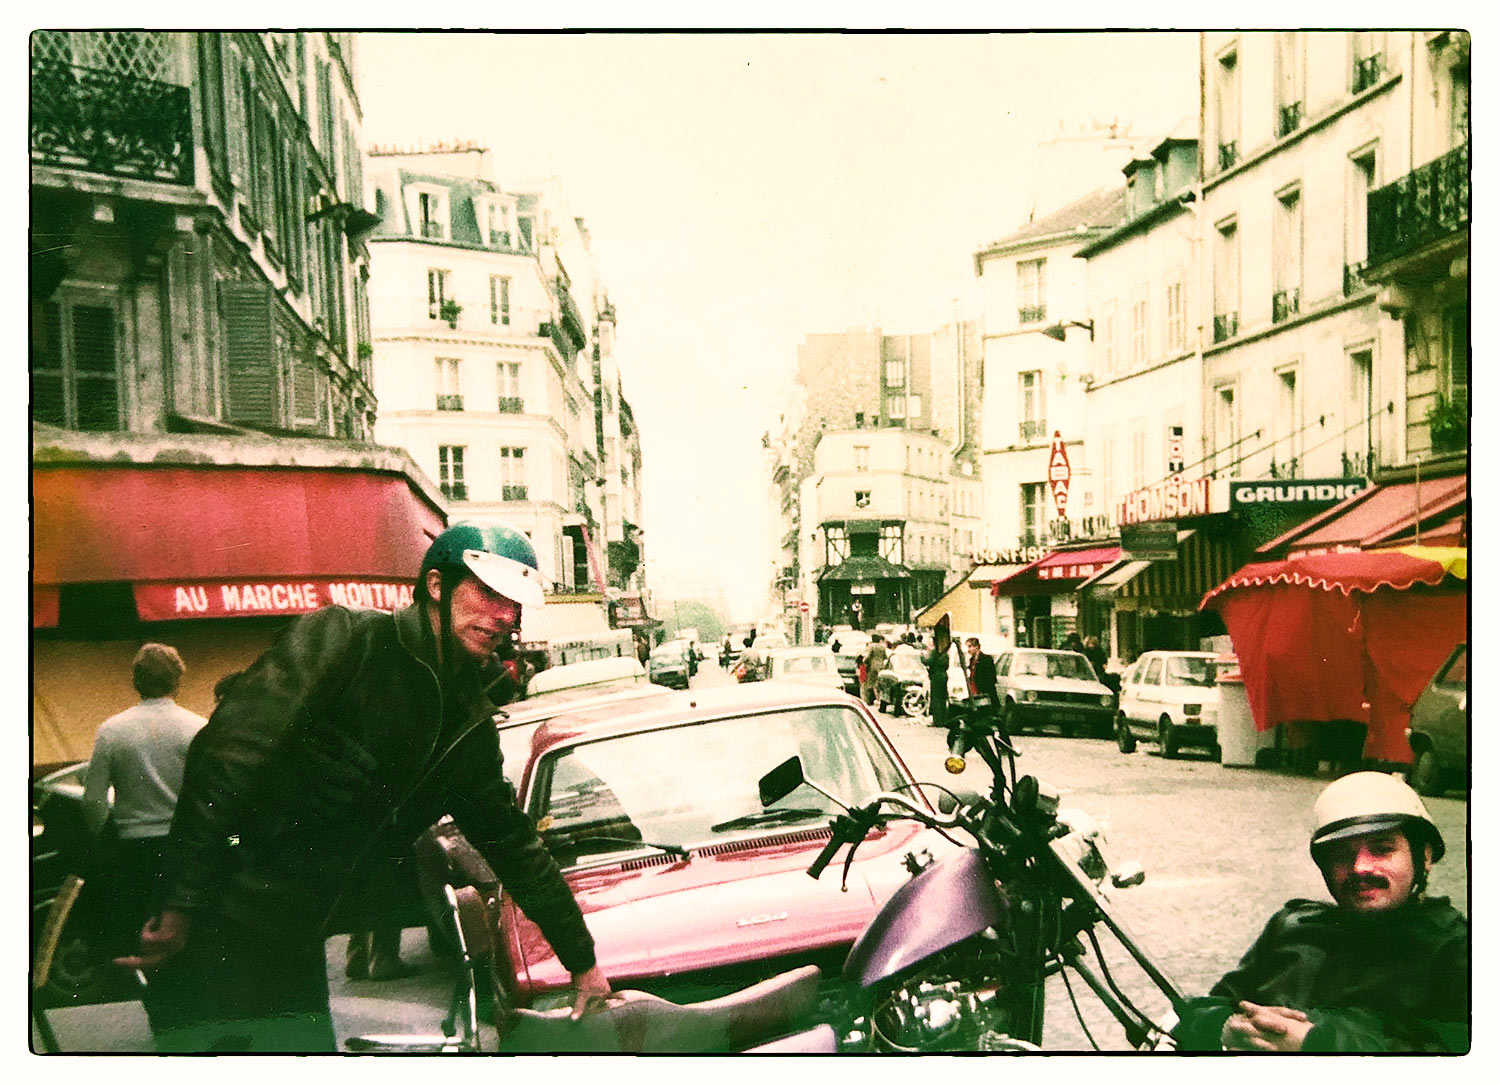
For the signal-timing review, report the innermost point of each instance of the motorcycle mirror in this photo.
(951, 801)
(781, 781)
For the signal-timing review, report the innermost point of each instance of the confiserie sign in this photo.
(248, 598)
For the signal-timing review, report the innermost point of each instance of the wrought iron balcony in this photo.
(511, 405)
(1229, 154)
(561, 340)
(1355, 464)
(1429, 204)
(433, 229)
(1226, 326)
(1367, 71)
(572, 319)
(1354, 280)
(1032, 314)
(101, 122)
(454, 491)
(518, 493)
(1285, 468)
(450, 402)
(1288, 119)
(1285, 304)
(1033, 429)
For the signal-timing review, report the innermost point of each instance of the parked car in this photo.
(670, 665)
(848, 666)
(814, 666)
(1172, 699)
(1439, 731)
(850, 641)
(601, 675)
(902, 686)
(692, 889)
(1169, 698)
(1041, 687)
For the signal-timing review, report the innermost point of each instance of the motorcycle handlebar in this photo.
(825, 857)
(958, 745)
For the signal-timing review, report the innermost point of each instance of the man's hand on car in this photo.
(593, 992)
(1265, 1028)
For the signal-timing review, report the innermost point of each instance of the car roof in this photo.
(1187, 655)
(800, 650)
(683, 706)
(1047, 651)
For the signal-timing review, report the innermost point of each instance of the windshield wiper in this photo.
(670, 849)
(772, 816)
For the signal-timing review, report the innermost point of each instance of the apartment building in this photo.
(484, 357)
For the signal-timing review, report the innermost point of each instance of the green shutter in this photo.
(48, 399)
(249, 354)
(96, 378)
(305, 412)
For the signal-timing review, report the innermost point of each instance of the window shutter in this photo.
(48, 403)
(249, 354)
(96, 368)
(305, 412)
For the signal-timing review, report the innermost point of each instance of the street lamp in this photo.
(1059, 331)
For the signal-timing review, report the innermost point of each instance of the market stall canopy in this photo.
(863, 567)
(1346, 636)
(211, 541)
(1385, 516)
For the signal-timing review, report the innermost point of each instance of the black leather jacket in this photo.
(1390, 982)
(260, 836)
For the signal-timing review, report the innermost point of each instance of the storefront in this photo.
(1044, 606)
(180, 539)
(863, 591)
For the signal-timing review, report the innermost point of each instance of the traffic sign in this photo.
(1059, 473)
(803, 607)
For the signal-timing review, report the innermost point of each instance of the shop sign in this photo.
(861, 589)
(1009, 555)
(1154, 541)
(1169, 499)
(1302, 491)
(1059, 473)
(1071, 572)
(1098, 526)
(238, 599)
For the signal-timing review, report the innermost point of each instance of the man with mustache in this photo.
(1384, 968)
(351, 735)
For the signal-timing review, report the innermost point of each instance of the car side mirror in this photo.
(781, 781)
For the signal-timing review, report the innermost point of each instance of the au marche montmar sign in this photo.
(164, 602)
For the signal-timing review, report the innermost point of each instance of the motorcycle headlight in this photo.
(1106, 699)
(1028, 695)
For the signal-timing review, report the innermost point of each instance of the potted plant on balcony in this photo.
(449, 311)
(1448, 424)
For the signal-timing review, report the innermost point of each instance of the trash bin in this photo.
(1239, 741)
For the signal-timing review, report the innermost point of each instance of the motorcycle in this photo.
(958, 957)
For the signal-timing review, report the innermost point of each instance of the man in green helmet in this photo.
(353, 733)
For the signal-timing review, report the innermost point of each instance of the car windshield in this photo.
(1060, 665)
(907, 659)
(1189, 671)
(674, 785)
(804, 664)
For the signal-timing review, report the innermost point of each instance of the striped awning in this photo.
(1203, 563)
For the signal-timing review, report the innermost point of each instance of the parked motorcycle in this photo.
(958, 958)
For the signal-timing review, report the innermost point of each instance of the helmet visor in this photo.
(512, 579)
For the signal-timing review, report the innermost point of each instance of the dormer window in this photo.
(430, 215)
(495, 222)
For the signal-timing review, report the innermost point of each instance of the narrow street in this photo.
(1222, 848)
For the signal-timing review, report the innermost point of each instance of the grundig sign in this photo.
(1171, 499)
(1303, 491)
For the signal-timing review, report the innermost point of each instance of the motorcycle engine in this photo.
(956, 1006)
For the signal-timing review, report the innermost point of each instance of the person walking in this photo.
(140, 754)
(357, 728)
(875, 660)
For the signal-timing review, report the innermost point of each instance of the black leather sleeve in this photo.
(230, 755)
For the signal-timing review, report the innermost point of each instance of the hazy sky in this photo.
(745, 190)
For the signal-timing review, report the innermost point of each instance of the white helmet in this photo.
(1370, 802)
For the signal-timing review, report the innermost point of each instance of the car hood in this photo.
(1059, 685)
(752, 901)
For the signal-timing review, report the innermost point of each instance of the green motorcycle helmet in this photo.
(501, 557)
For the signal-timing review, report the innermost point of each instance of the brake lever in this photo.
(848, 862)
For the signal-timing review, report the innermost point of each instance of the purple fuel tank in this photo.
(953, 899)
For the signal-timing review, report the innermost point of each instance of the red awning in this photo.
(1378, 516)
(1059, 571)
(245, 540)
(1345, 636)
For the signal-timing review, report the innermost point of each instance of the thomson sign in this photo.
(1307, 491)
(1171, 499)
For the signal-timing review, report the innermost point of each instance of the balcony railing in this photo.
(1285, 304)
(1356, 464)
(1428, 204)
(433, 229)
(1288, 119)
(1367, 71)
(1229, 154)
(1354, 280)
(518, 493)
(101, 122)
(450, 402)
(572, 320)
(564, 343)
(454, 491)
(1032, 314)
(1033, 429)
(511, 405)
(1285, 468)
(1226, 326)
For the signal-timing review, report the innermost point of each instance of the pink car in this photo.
(690, 887)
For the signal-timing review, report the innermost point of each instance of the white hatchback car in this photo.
(811, 666)
(1171, 698)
